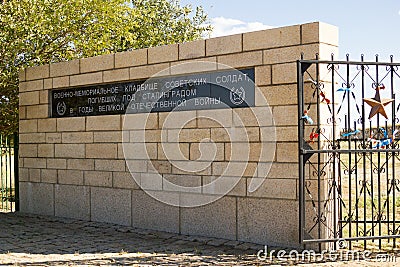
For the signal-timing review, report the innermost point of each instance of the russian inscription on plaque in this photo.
(214, 90)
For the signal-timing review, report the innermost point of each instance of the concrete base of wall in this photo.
(261, 221)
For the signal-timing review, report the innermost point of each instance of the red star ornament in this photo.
(377, 104)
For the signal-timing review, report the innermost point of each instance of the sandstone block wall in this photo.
(76, 167)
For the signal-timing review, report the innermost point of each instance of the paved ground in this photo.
(47, 241)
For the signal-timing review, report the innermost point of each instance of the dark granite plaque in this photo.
(215, 90)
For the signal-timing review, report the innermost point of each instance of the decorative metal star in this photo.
(377, 104)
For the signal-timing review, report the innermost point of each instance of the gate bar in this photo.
(16, 171)
(361, 63)
(300, 84)
(308, 241)
(346, 151)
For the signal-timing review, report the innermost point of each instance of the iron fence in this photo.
(9, 173)
(349, 152)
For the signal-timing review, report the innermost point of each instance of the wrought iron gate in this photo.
(349, 152)
(9, 173)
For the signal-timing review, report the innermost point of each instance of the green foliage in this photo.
(161, 22)
(36, 32)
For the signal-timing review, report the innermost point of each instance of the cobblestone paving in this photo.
(47, 241)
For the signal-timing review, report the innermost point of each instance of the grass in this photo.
(378, 200)
(362, 201)
(7, 185)
(7, 198)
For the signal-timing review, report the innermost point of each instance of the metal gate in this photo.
(9, 173)
(349, 153)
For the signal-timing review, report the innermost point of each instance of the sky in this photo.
(366, 27)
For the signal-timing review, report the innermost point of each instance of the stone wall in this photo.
(76, 167)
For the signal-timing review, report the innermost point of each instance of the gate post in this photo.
(301, 155)
(314, 131)
(16, 171)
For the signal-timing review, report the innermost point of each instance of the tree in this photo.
(162, 22)
(35, 32)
